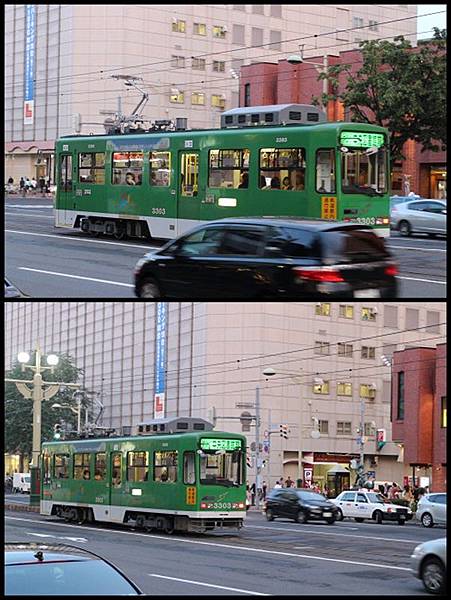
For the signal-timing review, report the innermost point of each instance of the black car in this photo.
(269, 258)
(37, 569)
(300, 505)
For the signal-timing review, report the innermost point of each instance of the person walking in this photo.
(42, 185)
(253, 494)
(278, 484)
(289, 482)
(34, 184)
(264, 490)
(22, 185)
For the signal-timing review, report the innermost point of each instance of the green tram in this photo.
(281, 160)
(188, 479)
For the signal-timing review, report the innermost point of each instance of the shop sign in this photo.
(327, 457)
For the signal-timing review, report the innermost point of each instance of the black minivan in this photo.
(299, 504)
(270, 257)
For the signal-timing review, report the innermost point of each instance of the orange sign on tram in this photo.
(328, 207)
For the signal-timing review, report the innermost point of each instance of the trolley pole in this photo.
(257, 446)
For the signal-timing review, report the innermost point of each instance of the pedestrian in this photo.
(264, 489)
(34, 183)
(28, 185)
(326, 491)
(252, 488)
(22, 184)
(278, 484)
(248, 498)
(407, 494)
(394, 492)
(288, 482)
(11, 181)
(42, 185)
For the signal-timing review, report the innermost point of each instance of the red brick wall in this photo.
(439, 432)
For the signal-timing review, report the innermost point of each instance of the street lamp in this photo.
(296, 59)
(77, 396)
(40, 391)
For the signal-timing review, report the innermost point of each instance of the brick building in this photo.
(284, 83)
(419, 411)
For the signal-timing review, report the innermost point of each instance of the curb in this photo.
(21, 507)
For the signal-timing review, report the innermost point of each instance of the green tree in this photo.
(398, 87)
(19, 410)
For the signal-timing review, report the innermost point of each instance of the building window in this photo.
(323, 426)
(127, 168)
(238, 34)
(323, 309)
(400, 413)
(198, 98)
(368, 352)
(344, 389)
(257, 9)
(81, 466)
(179, 26)
(282, 169)
(322, 348)
(91, 167)
(61, 468)
(137, 466)
(198, 64)
(369, 429)
(343, 427)
(160, 169)
(346, 311)
(344, 349)
(219, 66)
(219, 31)
(412, 318)
(390, 316)
(100, 466)
(177, 98)
(165, 466)
(178, 62)
(218, 100)
(367, 390)
(432, 321)
(199, 29)
(276, 10)
(357, 21)
(321, 388)
(256, 36)
(227, 168)
(275, 37)
(373, 25)
(368, 314)
(247, 94)
(443, 412)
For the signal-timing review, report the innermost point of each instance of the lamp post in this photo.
(77, 396)
(40, 391)
(296, 59)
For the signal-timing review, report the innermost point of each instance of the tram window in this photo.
(81, 466)
(91, 167)
(325, 171)
(100, 466)
(116, 471)
(160, 169)
(221, 469)
(127, 168)
(282, 169)
(189, 470)
(47, 468)
(165, 466)
(229, 168)
(65, 180)
(137, 466)
(189, 174)
(61, 466)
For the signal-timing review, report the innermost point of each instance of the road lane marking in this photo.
(130, 285)
(417, 279)
(29, 206)
(33, 216)
(219, 587)
(216, 544)
(414, 248)
(79, 239)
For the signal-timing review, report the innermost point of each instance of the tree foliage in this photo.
(398, 87)
(19, 410)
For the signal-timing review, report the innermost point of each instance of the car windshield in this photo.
(77, 577)
(376, 498)
(221, 468)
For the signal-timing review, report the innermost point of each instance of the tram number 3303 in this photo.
(158, 211)
(366, 220)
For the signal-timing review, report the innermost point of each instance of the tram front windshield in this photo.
(364, 171)
(221, 467)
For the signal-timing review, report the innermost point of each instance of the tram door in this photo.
(116, 482)
(64, 189)
(188, 199)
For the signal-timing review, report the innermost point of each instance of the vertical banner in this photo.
(160, 361)
(30, 56)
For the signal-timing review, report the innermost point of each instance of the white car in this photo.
(361, 505)
(431, 510)
(428, 563)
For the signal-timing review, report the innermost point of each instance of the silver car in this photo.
(431, 510)
(419, 216)
(428, 563)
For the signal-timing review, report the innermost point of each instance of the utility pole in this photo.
(257, 447)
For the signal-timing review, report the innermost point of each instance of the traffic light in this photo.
(57, 431)
(284, 431)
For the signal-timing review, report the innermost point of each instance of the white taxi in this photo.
(362, 504)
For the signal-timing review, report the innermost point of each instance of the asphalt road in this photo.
(45, 262)
(277, 558)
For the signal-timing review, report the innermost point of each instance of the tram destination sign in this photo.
(361, 139)
(219, 444)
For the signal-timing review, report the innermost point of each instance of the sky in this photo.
(427, 23)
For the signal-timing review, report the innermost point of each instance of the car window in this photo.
(434, 207)
(287, 495)
(352, 245)
(417, 205)
(361, 498)
(347, 497)
(440, 498)
(294, 242)
(200, 243)
(242, 241)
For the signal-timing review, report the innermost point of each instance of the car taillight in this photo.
(391, 270)
(326, 274)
